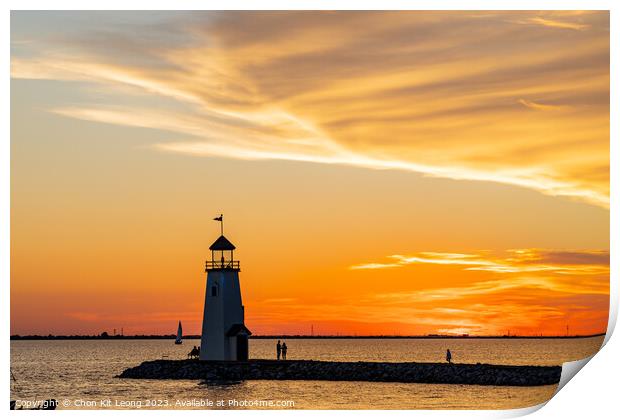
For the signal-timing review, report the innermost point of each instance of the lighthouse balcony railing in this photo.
(222, 265)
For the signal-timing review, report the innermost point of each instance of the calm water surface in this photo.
(83, 373)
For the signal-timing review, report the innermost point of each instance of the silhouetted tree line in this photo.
(106, 336)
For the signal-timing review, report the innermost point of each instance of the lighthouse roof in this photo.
(237, 329)
(222, 244)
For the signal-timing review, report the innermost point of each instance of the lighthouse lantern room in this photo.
(224, 334)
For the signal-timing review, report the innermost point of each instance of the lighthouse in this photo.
(224, 334)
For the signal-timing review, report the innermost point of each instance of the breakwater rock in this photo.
(432, 373)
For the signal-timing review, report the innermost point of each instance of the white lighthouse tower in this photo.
(224, 334)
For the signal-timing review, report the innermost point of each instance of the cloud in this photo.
(538, 106)
(517, 261)
(575, 257)
(374, 266)
(558, 24)
(438, 93)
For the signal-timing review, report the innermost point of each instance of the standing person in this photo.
(278, 349)
(284, 348)
(449, 356)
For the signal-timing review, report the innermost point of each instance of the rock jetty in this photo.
(431, 373)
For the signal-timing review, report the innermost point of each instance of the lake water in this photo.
(80, 374)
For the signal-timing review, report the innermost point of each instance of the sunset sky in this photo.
(379, 172)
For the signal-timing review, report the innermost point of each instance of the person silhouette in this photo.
(193, 353)
(284, 349)
(449, 356)
(278, 349)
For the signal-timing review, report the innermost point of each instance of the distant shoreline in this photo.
(312, 337)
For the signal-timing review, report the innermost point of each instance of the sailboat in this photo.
(179, 339)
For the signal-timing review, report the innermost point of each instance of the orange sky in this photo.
(380, 173)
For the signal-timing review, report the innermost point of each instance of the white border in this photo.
(311, 5)
(594, 394)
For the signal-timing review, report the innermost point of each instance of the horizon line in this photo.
(272, 336)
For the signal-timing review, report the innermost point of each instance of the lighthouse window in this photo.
(214, 291)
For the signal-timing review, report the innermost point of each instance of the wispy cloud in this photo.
(538, 106)
(517, 261)
(538, 20)
(438, 93)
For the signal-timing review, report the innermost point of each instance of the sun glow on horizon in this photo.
(387, 172)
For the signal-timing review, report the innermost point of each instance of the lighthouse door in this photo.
(242, 347)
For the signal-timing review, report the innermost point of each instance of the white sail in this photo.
(179, 338)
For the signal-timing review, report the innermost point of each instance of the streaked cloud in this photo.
(445, 94)
(558, 24)
(517, 261)
(538, 106)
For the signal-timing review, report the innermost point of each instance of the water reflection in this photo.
(87, 370)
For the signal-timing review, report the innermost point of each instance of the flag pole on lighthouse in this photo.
(220, 219)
